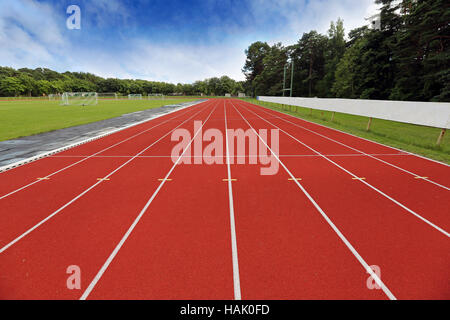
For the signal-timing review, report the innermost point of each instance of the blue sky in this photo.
(161, 40)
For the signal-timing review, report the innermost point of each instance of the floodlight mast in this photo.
(292, 78)
(292, 75)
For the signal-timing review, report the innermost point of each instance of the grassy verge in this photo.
(24, 118)
(417, 139)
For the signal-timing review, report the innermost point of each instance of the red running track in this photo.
(154, 227)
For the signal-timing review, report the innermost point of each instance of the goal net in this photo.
(155, 96)
(135, 96)
(79, 98)
(108, 95)
(53, 96)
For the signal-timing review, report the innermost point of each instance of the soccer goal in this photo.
(155, 96)
(79, 99)
(108, 95)
(135, 96)
(53, 96)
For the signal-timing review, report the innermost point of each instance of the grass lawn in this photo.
(24, 118)
(417, 139)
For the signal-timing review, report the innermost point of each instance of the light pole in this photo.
(292, 78)
(292, 75)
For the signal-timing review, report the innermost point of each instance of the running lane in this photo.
(27, 207)
(181, 248)
(83, 233)
(424, 198)
(424, 167)
(24, 175)
(412, 256)
(286, 250)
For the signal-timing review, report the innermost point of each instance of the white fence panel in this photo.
(432, 114)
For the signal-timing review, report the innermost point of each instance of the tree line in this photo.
(43, 81)
(408, 58)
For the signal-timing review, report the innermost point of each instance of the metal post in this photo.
(292, 75)
(284, 80)
(332, 116)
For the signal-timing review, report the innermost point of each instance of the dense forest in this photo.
(408, 58)
(42, 81)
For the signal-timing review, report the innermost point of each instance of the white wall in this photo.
(433, 114)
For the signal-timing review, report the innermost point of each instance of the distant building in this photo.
(374, 21)
(402, 7)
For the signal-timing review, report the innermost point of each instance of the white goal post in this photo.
(54, 96)
(108, 95)
(79, 98)
(135, 96)
(155, 96)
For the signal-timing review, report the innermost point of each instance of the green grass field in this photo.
(23, 118)
(20, 118)
(417, 139)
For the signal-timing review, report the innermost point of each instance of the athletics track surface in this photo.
(140, 226)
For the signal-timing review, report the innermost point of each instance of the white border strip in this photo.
(432, 114)
(76, 144)
(350, 134)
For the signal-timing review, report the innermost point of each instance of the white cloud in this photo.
(29, 34)
(107, 12)
(186, 63)
(36, 18)
(303, 16)
(164, 62)
(32, 34)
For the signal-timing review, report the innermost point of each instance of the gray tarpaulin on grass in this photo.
(19, 149)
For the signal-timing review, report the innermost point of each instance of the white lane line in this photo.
(95, 154)
(234, 251)
(362, 181)
(247, 156)
(87, 190)
(367, 268)
(135, 222)
(373, 156)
